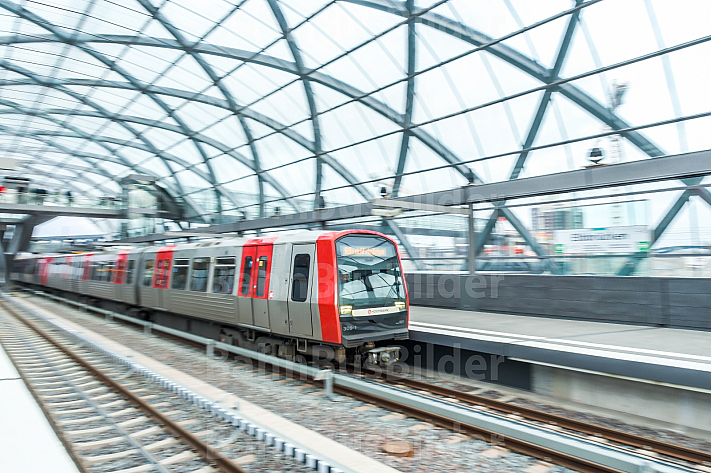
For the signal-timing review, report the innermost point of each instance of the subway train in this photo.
(328, 294)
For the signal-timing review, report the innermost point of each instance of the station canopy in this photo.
(303, 103)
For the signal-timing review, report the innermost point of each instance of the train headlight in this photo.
(400, 304)
(346, 309)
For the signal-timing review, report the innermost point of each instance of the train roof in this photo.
(305, 236)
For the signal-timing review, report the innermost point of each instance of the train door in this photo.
(300, 281)
(44, 271)
(120, 275)
(161, 276)
(246, 283)
(260, 286)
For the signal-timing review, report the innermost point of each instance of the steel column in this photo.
(409, 97)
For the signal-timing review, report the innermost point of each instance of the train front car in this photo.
(371, 295)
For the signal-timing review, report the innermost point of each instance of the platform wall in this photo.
(674, 302)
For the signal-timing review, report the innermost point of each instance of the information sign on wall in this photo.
(603, 240)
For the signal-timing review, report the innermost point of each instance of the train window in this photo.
(108, 271)
(148, 272)
(223, 278)
(198, 278)
(300, 280)
(180, 274)
(261, 275)
(246, 275)
(95, 275)
(78, 270)
(130, 271)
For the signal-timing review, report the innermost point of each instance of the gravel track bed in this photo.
(666, 435)
(252, 454)
(353, 423)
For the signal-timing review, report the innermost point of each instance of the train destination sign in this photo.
(631, 239)
(351, 251)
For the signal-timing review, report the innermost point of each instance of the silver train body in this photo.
(344, 290)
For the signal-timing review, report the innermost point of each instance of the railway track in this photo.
(686, 458)
(645, 444)
(111, 419)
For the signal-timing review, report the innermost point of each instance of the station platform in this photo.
(678, 357)
(27, 441)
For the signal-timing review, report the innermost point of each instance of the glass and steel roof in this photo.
(244, 106)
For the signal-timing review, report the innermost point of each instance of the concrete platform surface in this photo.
(27, 441)
(674, 356)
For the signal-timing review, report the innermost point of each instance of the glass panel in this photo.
(369, 273)
(261, 275)
(180, 274)
(148, 272)
(246, 276)
(223, 280)
(198, 278)
(300, 284)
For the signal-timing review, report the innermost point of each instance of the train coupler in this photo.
(382, 356)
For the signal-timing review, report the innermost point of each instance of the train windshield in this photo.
(369, 273)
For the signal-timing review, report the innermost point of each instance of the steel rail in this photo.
(664, 448)
(210, 454)
(434, 410)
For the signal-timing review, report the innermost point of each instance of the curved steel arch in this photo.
(158, 16)
(246, 112)
(86, 157)
(81, 99)
(83, 135)
(274, 63)
(105, 114)
(519, 60)
(299, 63)
(25, 14)
(168, 127)
(443, 24)
(112, 140)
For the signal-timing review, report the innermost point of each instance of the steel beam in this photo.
(233, 107)
(630, 265)
(404, 242)
(409, 98)
(636, 172)
(275, 63)
(112, 65)
(519, 60)
(310, 99)
(115, 156)
(529, 239)
(546, 98)
(681, 166)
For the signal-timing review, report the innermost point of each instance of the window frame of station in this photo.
(217, 264)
